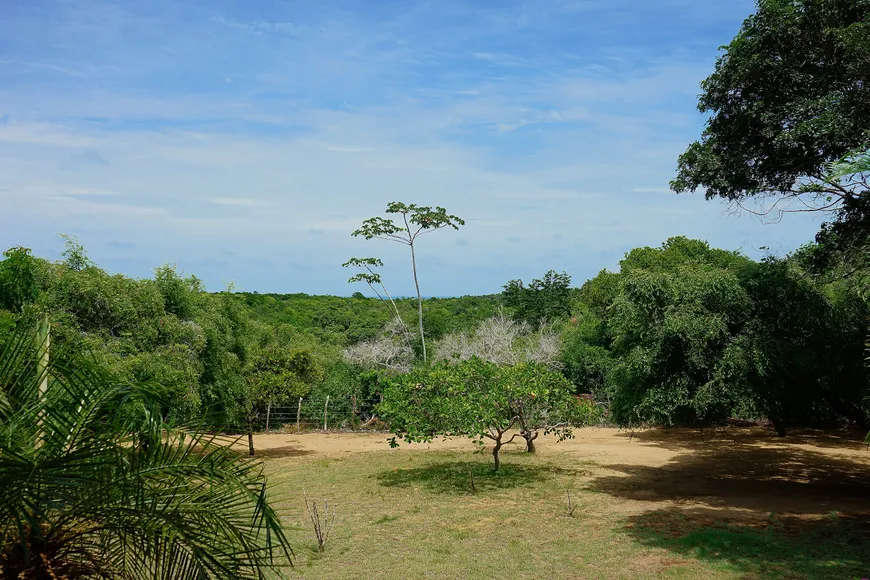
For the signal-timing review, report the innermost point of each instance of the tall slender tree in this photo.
(414, 221)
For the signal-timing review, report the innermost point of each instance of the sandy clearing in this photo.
(746, 472)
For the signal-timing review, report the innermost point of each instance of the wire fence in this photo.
(327, 413)
(322, 413)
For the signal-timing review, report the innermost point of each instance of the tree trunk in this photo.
(779, 426)
(530, 441)
(419, 300)
(495, 457)
(268, 412)
(396, 308)
(43, 346)
(250, 438)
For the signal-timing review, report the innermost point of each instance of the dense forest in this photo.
(680, 335)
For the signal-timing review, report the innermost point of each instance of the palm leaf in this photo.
(93, 483)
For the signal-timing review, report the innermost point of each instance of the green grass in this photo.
(415, 514)
(783, 548)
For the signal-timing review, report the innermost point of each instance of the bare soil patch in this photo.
(736, 502)
(746, 472)
(733, 472)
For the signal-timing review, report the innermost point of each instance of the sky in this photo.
(245, 141)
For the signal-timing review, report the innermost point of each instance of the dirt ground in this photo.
(738, 472)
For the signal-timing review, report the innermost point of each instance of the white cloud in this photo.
(331, 114)
(258, 27)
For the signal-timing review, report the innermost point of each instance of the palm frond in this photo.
(93, 482)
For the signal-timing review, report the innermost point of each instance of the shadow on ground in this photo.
(829, 547)
(768, 507)
(460, 477)
(747, 473)
(281, 452)
(679, 438)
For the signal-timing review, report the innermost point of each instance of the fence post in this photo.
(298, 412)
(325, 407)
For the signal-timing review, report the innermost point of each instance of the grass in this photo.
(416, 514)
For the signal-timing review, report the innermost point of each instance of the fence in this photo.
(323, 413)
(345, 413)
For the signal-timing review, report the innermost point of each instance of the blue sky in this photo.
(244, 141)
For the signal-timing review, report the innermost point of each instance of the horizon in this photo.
(245, 143)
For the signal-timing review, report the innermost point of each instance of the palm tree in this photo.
(94, 484)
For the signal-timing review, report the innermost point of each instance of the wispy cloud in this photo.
(258, 27)
(236, 201)
(273, 129)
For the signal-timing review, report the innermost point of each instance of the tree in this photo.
(670, 330)
(845, 240)
(19, 279)
(389, 351)
(179, 293)
(698, 335)
(585, 353)
(74, 254)
(543, 300)
(373, 279)
(94, 484)
(501, 341)
(792, 349)
(276, 375)
(541, 400)
(415, 222)
(789, 94)
(479, 400)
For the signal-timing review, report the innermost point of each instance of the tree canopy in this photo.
(689, 335)
(790, 93)
(480, 400)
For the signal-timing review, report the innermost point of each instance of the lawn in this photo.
(734, 503)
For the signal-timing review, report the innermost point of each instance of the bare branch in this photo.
(504, 342)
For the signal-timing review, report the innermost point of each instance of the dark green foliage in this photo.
(670, 330)
(166, 330)
(790, 92)
(19, 279)
(345, 321)
(203, 346)
(543, 300)
(689, 335)
(683, 334)
(805, 344)
(586, 353)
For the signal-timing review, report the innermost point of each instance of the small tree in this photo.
(373, 279)
(276, 375)
(390, 351)
(502, 341)
(543, 300)
(541, 400)
(415, 221)
(74, 254)
(479, 400)
(19, 279)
